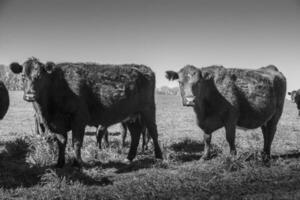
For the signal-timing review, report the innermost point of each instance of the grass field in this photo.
(26, 161)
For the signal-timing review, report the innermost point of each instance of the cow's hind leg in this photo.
(124, 133)
(149, 118)
(101, 131)
(143, 131)
(135, 131)
(230, 137)
(268, 131)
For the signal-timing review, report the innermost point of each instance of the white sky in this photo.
(166, 34)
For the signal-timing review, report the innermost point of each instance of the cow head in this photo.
(292, 94)
(189, 78)
(35, 76)
(295, 96)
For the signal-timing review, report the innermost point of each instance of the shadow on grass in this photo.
(143, 163)
(189, 150)
(288, 155)
(188, 146)
(15, 171)
(124, 167)
(90, 133)
(73, 174)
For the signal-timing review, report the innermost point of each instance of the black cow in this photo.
(73, 95)
(233, 97)
(295, 97)
(4, 100)
(293, 94)
(126, 124)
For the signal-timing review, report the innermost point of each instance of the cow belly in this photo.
(116, 112)
(254, 119)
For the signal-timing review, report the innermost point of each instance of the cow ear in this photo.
(16, 67)
(207, 75)
(49, 67)
(289, 93)
(171, 75)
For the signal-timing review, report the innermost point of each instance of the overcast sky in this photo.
(165, 34)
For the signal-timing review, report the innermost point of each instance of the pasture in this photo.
(26, 161)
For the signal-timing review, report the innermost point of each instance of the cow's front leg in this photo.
(77, 140)
(62, 142)
(207, 146)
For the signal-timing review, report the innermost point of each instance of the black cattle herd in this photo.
(70, 96)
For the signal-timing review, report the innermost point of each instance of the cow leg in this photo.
(230, 137)
(135, 131)
(106, 138)
(36, 124)
(147, 138)
(124, 133)
(77, 140)
(42, 128)
(149, 119)
(144, 139)
(101, 131)
(207, 146)
(268, 131)
(62, 142)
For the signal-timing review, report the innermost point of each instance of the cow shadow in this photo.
(188, 150)
(125, 167)
(74, 174)
(90, 133)
(188, 146)
(250, 156)
(16, 171)
(139, 164)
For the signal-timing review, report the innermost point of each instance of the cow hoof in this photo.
(50, 138)
(60, 165)
(205, 157)
(265, 157)
(159, 156)
(127, 161)
(77, 163)
(159, 160)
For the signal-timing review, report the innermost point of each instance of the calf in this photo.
(73, 95)
(233, 97)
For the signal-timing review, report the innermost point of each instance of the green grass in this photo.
(26, 161)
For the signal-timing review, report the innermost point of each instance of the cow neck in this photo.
(207, 99)
(42, 102)
(38, 109)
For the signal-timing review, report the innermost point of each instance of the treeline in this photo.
(11, 81)
(167, 90)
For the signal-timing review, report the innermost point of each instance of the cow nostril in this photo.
(190, 99)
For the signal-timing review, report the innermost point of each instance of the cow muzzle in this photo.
(189, 101)
(30, 97)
